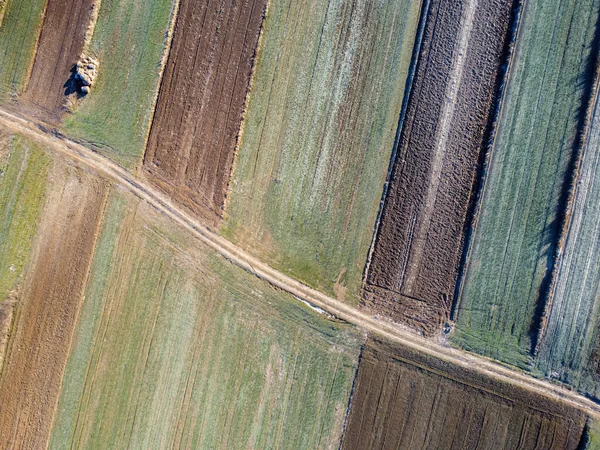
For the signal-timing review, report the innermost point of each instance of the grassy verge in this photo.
(128, 41)
(178, 347)
(517, 231)
(320, 127)
(20, 22)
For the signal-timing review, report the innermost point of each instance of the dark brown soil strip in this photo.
(404, 400)
(201, 101)
(418, 245)
(47, 311)
(59, 48)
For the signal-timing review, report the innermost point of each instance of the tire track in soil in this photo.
(374, 325)
(416, 255)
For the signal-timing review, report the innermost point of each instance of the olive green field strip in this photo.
(418, 247)
(23, 176)
(19, 31)
(177, 347)
(317, 137)
(200, 104)
(404, 401)
(518, 222)
(374, 325)
(570, 346)
(129, 42)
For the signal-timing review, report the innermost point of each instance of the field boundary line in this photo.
(371, 324)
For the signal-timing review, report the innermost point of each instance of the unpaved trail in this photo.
(371, 324)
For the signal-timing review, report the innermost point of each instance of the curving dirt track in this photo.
(201, 101)
(414, 266)
(60, 45)
(48, 308)
(374, 325)
(403, 400)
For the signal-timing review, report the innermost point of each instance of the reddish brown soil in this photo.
(418, 246)
(403, 400)
(201, 101)
(46, 312)
(59, 48)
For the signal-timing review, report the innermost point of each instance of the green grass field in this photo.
(517, 229)
(177, 347)
(23, 181)
(570, 349)
(316, 144)
(19, 30)
(128, 41)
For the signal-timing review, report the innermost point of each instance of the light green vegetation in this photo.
(23, 180)
(593, 435)
(317, 140)
(19, 30)
(177, 347)
(128, 41)
(570, 349)
(517, 229)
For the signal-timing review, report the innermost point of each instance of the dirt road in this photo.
(368, 323)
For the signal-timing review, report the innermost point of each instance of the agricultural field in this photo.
(23, 177)
(46, 304)
(20, 23)
(413, 270)
(59, 48)
(404, 400)
(129, 41)
(570, 345)
(177, 347)
(519, 218)
(200, 105)
(316, 143)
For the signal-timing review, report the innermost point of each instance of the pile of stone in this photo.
(85, 72)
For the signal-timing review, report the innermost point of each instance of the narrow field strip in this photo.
(129, 41)
(59, 48)
(418, 246)
(404, 401)
(178, 345)
(518, 224)
(19, 32)
(570, 346)
(371, 324)
(48, 304)
(200, 103)
(318, 133)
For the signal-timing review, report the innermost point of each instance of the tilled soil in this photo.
(46, 312)
(414, 266)
(403, 400)
(201, 102)
(59, 48)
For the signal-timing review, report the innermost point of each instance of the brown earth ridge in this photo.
(405, 400)
(201, 102)
(60, 45)
(418, 245)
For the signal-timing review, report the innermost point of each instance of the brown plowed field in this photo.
(201, 101)
(418, 246)
(60, 45)
(47, 310)
(404, 400)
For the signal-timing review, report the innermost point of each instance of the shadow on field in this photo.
(558, 229)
